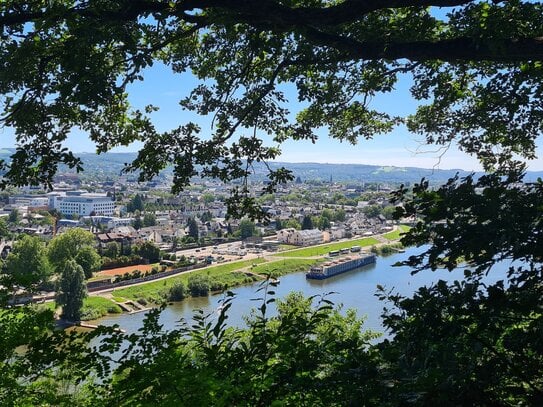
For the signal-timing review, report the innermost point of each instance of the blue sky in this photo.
(400, 148)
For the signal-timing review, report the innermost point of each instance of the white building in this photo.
(108, 221)
(300, 237)
(284, 235)
(307, 237)
(32, 201)
(82, 204)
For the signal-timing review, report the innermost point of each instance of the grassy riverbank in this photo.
(97, 307)
(230, 275)
(281, 267)
(93, 307)
(324, 249)
(221, 275)
(397, 234)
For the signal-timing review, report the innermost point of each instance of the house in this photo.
(284, 235)
(337, 232)
(307, 237)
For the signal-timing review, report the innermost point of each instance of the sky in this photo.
(399, 148)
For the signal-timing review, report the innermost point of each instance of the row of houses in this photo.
(300, 237)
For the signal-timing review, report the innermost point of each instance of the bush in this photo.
(217, 286)
(387, 250)
(177, 292)
(199, 285)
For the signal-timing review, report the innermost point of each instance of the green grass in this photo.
(51, 305)
(157, 291)
(280, 267)
(396, 234)
(97, 307)
(283, 247)
(320, 250)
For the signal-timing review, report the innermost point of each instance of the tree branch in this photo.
(456, 49)
(269, 15)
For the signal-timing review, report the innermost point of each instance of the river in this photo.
(354, 289)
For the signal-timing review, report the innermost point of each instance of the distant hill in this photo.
(114, 162)
(111, 164)
(366, 173)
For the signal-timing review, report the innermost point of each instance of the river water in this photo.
(354, 289)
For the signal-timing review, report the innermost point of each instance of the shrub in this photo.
(217, 286)
(199, 285)
(177, 292)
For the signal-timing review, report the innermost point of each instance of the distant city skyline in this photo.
(400, 148)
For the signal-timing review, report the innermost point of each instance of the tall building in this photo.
(81, 203)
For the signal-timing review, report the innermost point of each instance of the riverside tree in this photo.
(476, 71)
(71, 290)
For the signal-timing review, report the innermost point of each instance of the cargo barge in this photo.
(338, 266)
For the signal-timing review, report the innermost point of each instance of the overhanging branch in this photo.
(456, 49)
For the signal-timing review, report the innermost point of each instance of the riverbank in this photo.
(355, 290)
(229, 275)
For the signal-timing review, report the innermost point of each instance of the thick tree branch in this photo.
(269, 15)
(457, 49)
(271, 10)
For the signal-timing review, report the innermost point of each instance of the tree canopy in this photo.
(475, 66)
(247, 229)
(75, 244)
(71, 290)
(476, 70)
(27, 265)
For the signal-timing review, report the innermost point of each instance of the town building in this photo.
(81, 203)
(306, 237)
(300, 237)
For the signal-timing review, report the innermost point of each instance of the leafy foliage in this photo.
(14, 216)
(307, 223)
(475, 67)
(71, 290)
(477, 73)
(27, 265)
(247, 228)
(135, 204)
(149, 219)
(199, 285)
(178, 292)
(297, 357)
(193, 228)
(75, 244)
(149, 251)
